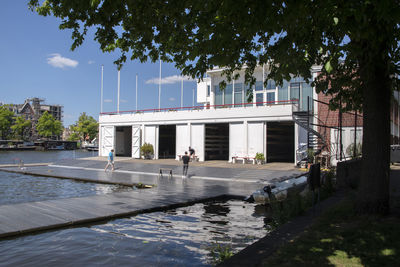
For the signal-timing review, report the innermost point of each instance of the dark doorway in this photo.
(123, 141)
(280, 142)
(167, 142)
(217, 141)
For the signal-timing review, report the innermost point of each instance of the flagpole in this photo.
(159, 89)
(182, 93)
(101, 91)
(136, 92)
(118, 91)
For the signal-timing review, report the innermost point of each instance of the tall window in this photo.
(271, 97)
(306, 91)
(238, 94)
(294, 91)
(228, 94)
(259, 99)
(283, 91)
(218, 95)
(208, 90)
(248, 90)
(259, 86)
(271, 85)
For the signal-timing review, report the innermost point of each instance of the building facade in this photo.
(225, 126)
(32, 109)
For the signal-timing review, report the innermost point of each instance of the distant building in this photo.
(32, 109)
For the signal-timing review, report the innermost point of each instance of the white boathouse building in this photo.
(223, 127)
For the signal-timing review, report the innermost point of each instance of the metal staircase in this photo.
(315, 141)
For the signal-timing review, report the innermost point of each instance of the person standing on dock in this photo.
(192, 153)
(110, 160)
(185, 160)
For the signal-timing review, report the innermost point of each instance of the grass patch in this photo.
(342, 238)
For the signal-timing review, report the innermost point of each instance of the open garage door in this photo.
(167, 142)
(217, 141)
(123, 141)
(280, 142)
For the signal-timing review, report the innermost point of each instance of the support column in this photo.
(246, 139)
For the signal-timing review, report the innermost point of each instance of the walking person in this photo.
(110, 160)
(185, 160)
(192, 153)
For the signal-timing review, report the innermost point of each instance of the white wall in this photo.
(256, 138)
(197, 140)
(182, 139)
(237, 140)
(348, 139)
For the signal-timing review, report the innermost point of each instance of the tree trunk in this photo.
(373, 192)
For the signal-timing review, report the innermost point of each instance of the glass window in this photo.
(294, 91)
(306, 91)
(283, 91)
(238, 87)
(247, 92)
(238, 94)
(259, 99)
(271, 85)
(208, 90)
(238, 99)
(218, 95)
(271, 97)
(228, 94)
(259, 85)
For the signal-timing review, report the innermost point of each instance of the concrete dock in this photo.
(203, 182)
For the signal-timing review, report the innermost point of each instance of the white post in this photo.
(118, 91)
(136, 91)
(101, 90)
(159, 89)
(182, 92)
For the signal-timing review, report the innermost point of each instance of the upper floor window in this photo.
(208, 90)
(271, 85)
(259, 86)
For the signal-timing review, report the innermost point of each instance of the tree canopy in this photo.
(6, 120)
(355, 42)
(48, 126)
(21, 128)
(86, 127)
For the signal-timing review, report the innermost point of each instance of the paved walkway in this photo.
(203, 183)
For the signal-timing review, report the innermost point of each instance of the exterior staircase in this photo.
(315, 140)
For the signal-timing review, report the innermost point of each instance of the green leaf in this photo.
(328, 67)
(335, 20)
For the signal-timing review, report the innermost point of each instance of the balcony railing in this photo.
(293, 102)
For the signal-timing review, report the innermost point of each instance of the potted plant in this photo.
(147, 151)
(260, 158)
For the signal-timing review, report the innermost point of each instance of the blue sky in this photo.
(36, 61)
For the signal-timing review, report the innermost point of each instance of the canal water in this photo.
(19, 188)
(179, 237)
(14, 157)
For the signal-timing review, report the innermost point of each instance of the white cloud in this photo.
(107, 100)
(170, 79)
(91, 62)
(171, 99)
(58, 61)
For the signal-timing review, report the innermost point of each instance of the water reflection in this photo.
(179, 237)
(19, 188)
(14, 157)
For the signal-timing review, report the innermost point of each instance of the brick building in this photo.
(32, 109)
